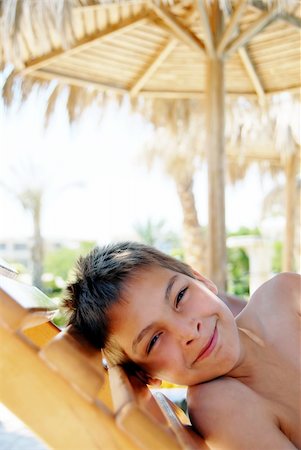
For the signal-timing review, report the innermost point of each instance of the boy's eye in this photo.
(180, 296)
(152, 342)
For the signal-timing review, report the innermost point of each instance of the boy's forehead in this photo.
(153, 279)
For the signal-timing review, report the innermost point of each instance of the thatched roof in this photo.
(155, 53)
(157, 49)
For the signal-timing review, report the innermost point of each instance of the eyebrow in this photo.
(150, 326)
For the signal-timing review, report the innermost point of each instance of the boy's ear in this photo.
(208, 283)
(154, 382)
(145, 378)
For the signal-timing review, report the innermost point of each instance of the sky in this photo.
(98, 185)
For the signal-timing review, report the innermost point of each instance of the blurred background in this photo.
(89, 156)
(110, 176)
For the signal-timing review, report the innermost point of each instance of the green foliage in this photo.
(58, 267)
(245, 231)
(238, 264)
(277, 257)
(59, 320)
(60, 262)
(150, 232)
(238, 272)
(155, 234)
(177, 253)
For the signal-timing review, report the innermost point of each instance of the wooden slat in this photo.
(27, 296)
(144, 430)
(78, 363)
(76, 81)
(40, 335)
(94, 72)
(49, 405)
(82, 45)
(122, 50)
(103, 75)
(105, 52)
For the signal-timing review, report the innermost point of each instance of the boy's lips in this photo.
(208, 347)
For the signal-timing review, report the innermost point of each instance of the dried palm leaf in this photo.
(52, 101)
(8, 92)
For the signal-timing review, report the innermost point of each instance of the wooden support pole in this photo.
(290, 207)
(74, 81)
(216, 158)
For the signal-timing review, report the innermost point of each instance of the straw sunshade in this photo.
(154, 49)
(181, 49)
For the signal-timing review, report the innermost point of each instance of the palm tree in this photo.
(31, 183)
(27, 188)
(156, 234)
(177, 144)
(151, 232)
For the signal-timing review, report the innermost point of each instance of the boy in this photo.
(154, 313)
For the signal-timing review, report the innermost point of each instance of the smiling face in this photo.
(175, 327)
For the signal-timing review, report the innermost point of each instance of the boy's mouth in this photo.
(208, 347)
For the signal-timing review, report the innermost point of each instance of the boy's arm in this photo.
(232, 417)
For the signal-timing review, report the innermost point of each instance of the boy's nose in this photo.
(189, 332)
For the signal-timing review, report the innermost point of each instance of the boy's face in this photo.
(175, 328)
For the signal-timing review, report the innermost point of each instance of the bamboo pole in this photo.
(216, 156)
(290, 206)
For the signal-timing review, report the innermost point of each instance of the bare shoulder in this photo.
(217, 403)
(283, 291)
(228, 414)
(219, 395)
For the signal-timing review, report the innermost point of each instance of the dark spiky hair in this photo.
(100, 279)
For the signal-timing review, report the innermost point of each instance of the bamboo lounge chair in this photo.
(56, 384)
